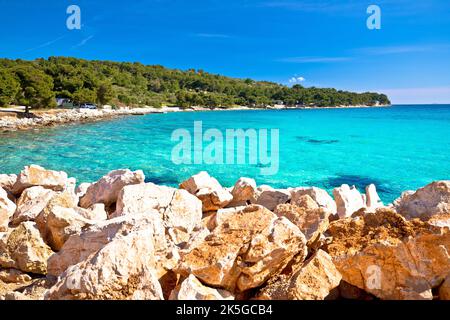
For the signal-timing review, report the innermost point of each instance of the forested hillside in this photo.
(37, 83)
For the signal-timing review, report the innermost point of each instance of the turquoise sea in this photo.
(397, 148)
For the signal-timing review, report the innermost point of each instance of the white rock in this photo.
(30, 204)
(320, 196)
(82, 189)
(433, 199)
(177, 208)
(199, 181)
(38, 176)
(7, 181)
(192, 289)
(270, 198)
(348, 200)
(123, 269)
(7, 208)
(107, 189)
(373, 201)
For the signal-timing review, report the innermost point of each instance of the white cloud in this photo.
(296, 79)
(212, 35)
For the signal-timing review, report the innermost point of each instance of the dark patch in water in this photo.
(166, 181)
(353, 180)
(315, 141)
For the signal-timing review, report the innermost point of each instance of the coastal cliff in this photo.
(122, 238)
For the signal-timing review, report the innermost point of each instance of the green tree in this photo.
(36, 87)
(105, 93)
(84, 96)
(9, 88)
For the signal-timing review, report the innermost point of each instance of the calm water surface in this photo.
(398, 148)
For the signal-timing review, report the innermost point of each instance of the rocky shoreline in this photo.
(121, 238)
(67, 116)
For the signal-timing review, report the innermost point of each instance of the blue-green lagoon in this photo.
(397, 148)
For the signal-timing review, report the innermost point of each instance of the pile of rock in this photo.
(122, 238)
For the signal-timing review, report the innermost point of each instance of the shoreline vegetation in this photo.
(12, 119)
(120, 238)
(39, 83)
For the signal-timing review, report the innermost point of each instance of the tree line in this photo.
(37, 83)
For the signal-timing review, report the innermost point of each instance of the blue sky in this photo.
(321, 43)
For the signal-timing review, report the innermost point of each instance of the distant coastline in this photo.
(13, 119)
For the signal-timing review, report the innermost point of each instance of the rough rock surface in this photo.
(320, 196)
(433, 199)
(213, 200)
(34, 175)
(270, 198)
(14, 276)
(31, 203)
(314, 281)
(122, 270)
(7, 181)
(22, 248)
(202, 180)
(192, 289)
(373, 200)
(243, 192)
(348, 200)
(311, 221)
(210, 192)
(7, 209)
(61, 224)
(80, 246)
(107, 189)
(177, 208)
(389, 257)
(244, 250)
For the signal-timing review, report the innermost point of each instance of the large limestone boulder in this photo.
(61, 223)
(243, 192)
(312, 222)
(313, 281)
(199, 181)
(107, 189)
(192, 289)
(213, 200)
(80, 247)
(270, 198)
(97, 212)
(7, 181)
(373, 200)
(433, 199)
(31, 203)
(123, 269)
(22, 248)
(320, 196)
(384, 254)
(7, 209)
(34, 175)
(348, 200)
(206, 188)
(245, 249)
(177, 208)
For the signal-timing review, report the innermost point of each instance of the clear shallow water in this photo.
(398, 148)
